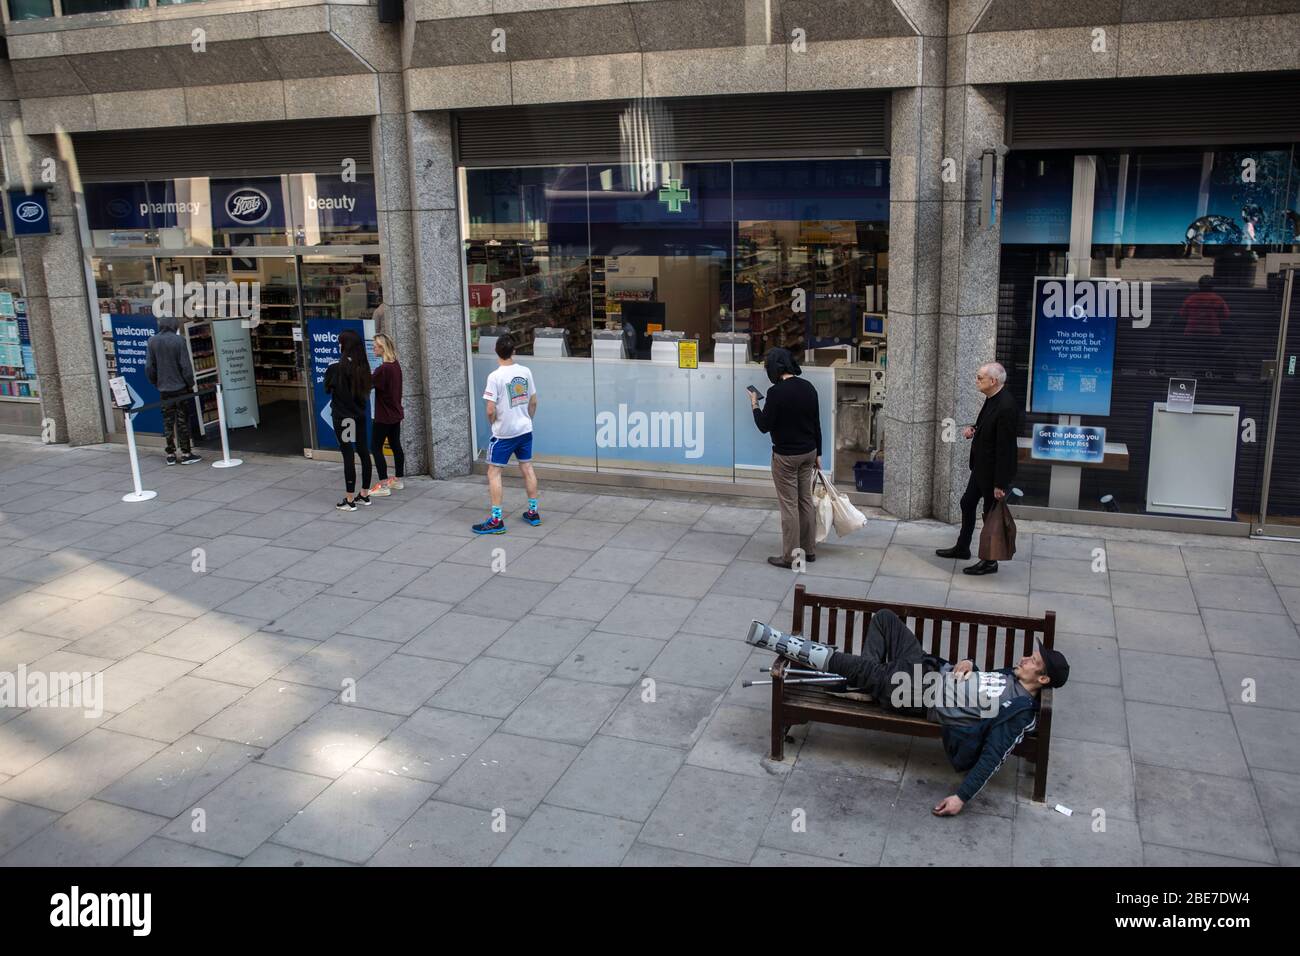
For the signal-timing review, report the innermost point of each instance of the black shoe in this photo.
(778, 562)
(363, 500)
(345, 505)
(962, 553)
(189, 458)
(171, 459)
(810, 558)
(981, 567)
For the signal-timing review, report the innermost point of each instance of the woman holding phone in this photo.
(793, 418)
(348, 383)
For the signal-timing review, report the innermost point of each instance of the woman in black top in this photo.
(348, 384)
(793, 419)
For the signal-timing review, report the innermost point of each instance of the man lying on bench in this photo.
(983, 719)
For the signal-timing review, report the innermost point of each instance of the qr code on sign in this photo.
(1056, 383)
(1088, 383)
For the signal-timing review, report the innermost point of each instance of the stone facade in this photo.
(947, 63)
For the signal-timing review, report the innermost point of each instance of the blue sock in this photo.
(496, 512)
(532, 504)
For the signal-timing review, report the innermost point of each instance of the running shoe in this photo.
(362, 500)
(491, 526)
(532, 517)
(396, 485)
(380, 491)
(190, 459)
(171, 459)
(345, 505)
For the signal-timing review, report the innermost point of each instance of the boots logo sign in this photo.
(248, 206)
(30, 211)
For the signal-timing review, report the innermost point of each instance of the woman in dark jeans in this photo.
(793, 419)
(348, 383)
(388, 418)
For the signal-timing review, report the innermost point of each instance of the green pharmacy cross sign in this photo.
(674, 195)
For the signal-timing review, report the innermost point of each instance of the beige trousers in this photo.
(793, 477)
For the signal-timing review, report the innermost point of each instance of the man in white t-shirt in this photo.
(511, 400)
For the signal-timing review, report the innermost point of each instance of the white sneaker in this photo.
(380, 491)
(396, 485)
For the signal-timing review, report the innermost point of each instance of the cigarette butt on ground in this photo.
(1066, 810)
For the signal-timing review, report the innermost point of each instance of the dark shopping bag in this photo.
(998, 537)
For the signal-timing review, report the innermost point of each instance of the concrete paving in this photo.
(284, 684)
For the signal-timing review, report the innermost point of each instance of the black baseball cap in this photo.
(1056, 666)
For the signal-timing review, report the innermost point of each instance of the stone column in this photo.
(42, 335)
(442, 330)
(915, 243)
(399, 262)
(59, 314)
(974, 121)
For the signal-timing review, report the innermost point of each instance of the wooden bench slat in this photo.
(832, 630)
(849, 615)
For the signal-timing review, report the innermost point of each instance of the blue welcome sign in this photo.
(28, 213)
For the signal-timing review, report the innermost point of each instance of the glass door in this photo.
(259, 364)
(1280, 496)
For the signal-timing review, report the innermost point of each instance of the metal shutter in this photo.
(1190, 111)
(250, 149)
(717, 127)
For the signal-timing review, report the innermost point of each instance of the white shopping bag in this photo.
(844, 515)
(824, 505)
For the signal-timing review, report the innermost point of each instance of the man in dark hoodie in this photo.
(169, 370)
(984, 714)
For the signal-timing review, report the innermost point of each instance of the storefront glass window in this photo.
(30, 9)
(672, 280)
(271, 370)
(18, 381)
(1188, 240)
(71, 7)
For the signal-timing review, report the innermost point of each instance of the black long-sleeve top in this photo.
(792, 417)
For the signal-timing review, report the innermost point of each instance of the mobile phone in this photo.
(753, 390)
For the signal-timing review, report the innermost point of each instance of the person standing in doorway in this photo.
(511, 400)
(993, 454)
(388, 418)
(348, 383)
(793, 418)
(168, 367)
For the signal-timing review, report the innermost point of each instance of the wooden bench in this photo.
(990, 640)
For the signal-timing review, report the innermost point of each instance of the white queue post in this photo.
(139, 494)
(226, 460)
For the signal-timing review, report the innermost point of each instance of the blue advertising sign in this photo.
(131, 334)
(256, 204)
(339, 206)
(30, 213)
(323, 344)
(136, 205)
(1077, 443)
(1072, 345)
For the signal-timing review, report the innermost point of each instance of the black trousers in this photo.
(393, 432)
(176, 422)
(358, 446)
(890, 647)
(969, 500)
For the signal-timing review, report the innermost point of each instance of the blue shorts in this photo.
(500, 449)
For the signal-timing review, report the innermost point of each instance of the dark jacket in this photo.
(979, 750)
(167, 362)
(343, 402)
(993, 450)
(388, 393)
(792, 416)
